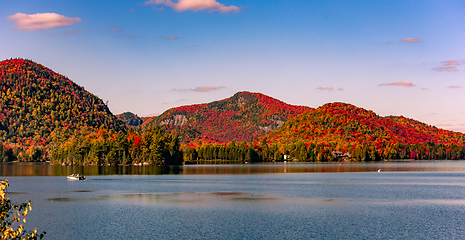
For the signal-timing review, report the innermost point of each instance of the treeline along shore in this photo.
(152, 146)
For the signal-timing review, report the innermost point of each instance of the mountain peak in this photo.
(344, 124)
(242, 117)
(39, 101)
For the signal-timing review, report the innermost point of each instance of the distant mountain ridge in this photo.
(130, 119)
(242, 117)
(37, 102)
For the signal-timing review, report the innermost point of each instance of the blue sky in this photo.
(393, 57)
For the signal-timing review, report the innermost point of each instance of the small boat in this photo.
(76, 177)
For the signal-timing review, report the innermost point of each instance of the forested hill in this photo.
(36, 102)
(130, 119)
(242, 117)
(434, 134)
(344, 127)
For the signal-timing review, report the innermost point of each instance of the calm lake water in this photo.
(406, 200)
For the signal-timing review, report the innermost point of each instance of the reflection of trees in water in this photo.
(45, 169)
(290, 167)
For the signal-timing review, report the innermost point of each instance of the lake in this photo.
(406, 200)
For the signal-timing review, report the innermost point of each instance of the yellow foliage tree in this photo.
(10, 213)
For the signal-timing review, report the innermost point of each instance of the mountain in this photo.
(242, 117)
(130, 119)
(341, 126)
(37, 103)
(430, 133)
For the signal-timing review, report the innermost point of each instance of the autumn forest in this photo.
(44, 116)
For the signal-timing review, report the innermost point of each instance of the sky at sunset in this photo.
(395, 57)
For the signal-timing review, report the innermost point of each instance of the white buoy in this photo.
(379, 170)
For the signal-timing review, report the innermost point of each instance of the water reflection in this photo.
(73, 191)
(45, 169)
(431, 166)
(66, 199)
(206, 199)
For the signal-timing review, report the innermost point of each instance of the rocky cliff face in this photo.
(176, 120)
(277, 123)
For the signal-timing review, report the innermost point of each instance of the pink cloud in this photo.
(446, 69)
(200, 89)
(402, 83)
(329, 89)
(451, 62)
(390, 42)
(325, 88)
(448, 66)
(411, 40)
(40, 21)
(194, 5)
(455, 87)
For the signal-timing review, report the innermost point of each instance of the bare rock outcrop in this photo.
(277, 123)
(241, 101)
(176, 120)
